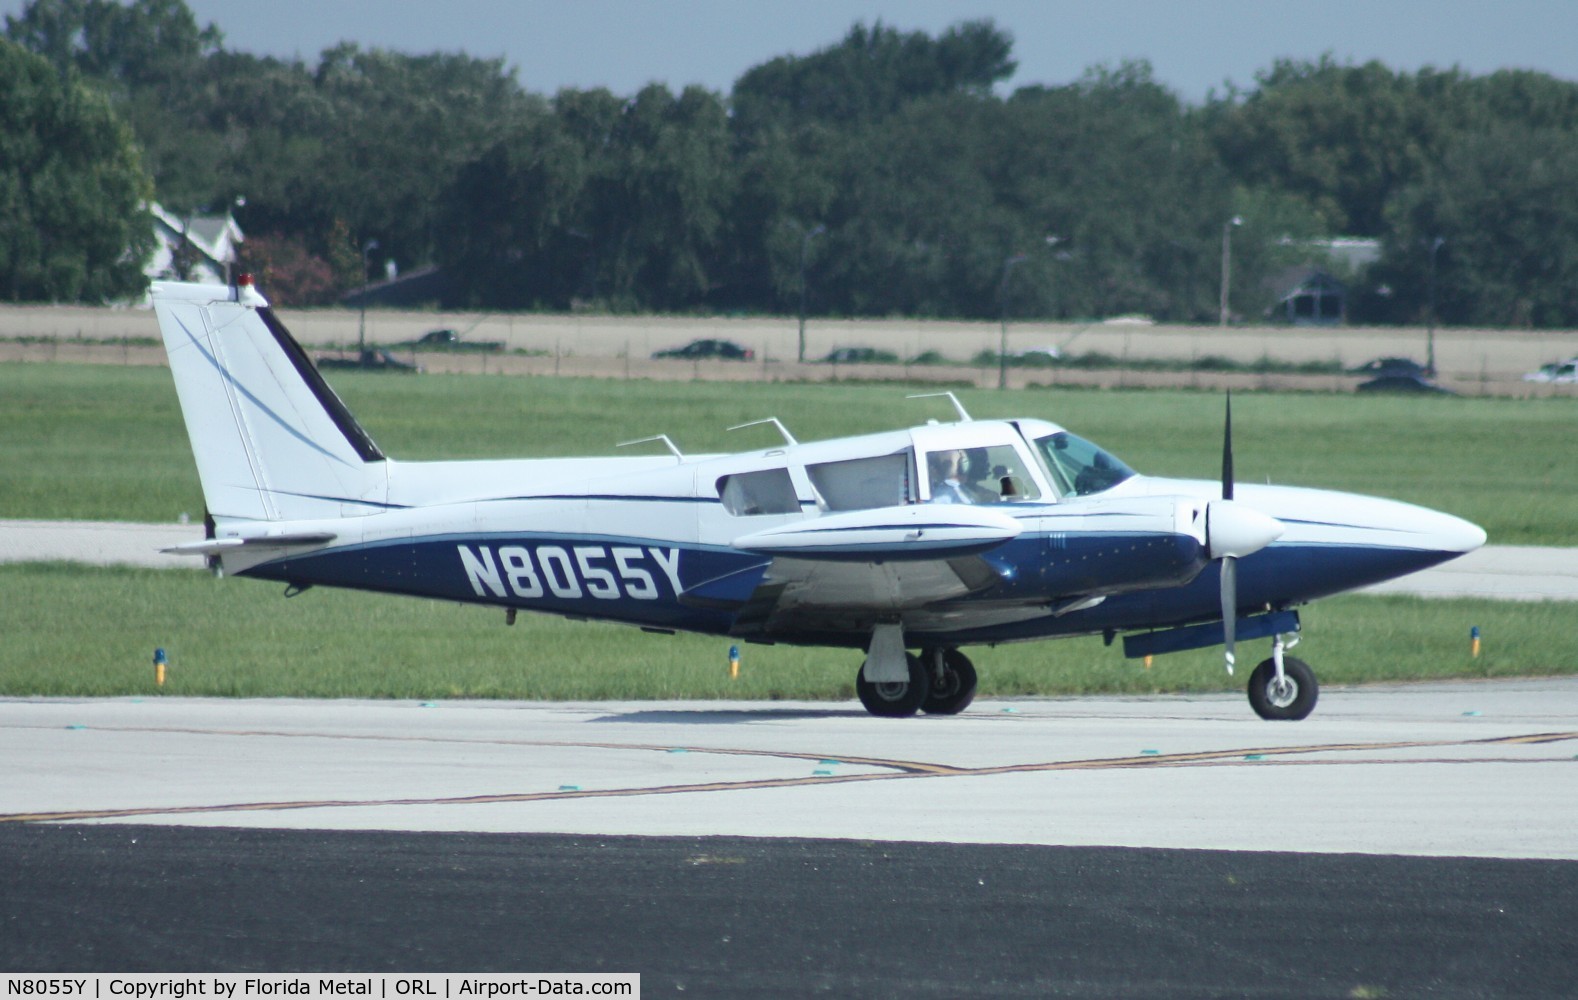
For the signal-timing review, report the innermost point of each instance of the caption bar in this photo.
(320, 986)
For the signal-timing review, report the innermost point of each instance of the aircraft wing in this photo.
(840, 572)
(888, 534)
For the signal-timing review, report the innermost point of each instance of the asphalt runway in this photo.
(730, 917)
(1403, 841)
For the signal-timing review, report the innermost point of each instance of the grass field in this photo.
(106, 443)
(73, 631)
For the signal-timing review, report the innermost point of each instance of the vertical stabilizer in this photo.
(272, 440)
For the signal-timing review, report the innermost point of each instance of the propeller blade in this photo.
(1227, 451)
(1229, 606)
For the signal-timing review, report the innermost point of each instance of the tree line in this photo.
(888, 173)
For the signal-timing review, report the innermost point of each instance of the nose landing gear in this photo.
(1282, 687)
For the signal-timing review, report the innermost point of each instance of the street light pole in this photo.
(1227, 263)
(805, 247)
(1002, 319)
(1430, 359)
(361, 326)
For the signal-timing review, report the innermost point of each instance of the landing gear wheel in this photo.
(952, 692)
(895, 700)
(1293, 699)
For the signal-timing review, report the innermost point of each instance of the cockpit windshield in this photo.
(1078, 467)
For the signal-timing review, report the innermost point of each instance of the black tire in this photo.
(1296, 702)
(956, 689)
(895, 701)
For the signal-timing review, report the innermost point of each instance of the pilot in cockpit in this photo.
(950, 482)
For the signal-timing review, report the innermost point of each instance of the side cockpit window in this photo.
(863, 483)
(769, 491)
(991, 474)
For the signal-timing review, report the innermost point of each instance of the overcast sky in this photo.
(1194, 45)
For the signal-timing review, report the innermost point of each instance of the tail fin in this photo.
(272, 440)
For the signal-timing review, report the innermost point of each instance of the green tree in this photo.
(871, 74)
(1103, 194)
(1504, 203)
(398, 129)
(1118, 173)
(147, 56)
(616, 201)
(665, 198)
(73, 222)
(511, 240)
(803, 131)
(1345, 138)
(130, 45)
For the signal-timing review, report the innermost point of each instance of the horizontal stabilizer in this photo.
(928, 531)
(216, 546)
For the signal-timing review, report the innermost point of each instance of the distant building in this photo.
(1308, 296)
(197, 248)
(1315, 293)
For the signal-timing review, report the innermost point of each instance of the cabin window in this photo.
(979, 475)
(863, 483)
(1078, 467)
(769, 491)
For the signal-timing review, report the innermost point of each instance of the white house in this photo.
(198, 248)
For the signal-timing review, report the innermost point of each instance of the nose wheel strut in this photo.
(1283, 687)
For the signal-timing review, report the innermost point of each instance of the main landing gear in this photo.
(941, 681)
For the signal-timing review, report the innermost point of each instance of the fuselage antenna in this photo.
(770, 420)
(952, 398)
(656, 437)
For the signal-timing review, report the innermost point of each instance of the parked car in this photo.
(1402, 382)
(372, 359)
(696, 350)
(1391, 366)
(1560, 371)
(449, 340)
(860, 356)
(1038, 357)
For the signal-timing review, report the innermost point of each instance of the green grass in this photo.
(106, 443)
(74, 631)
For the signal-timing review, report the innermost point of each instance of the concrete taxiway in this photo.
(1447, 769)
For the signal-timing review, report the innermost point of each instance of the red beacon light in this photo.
(246, 290)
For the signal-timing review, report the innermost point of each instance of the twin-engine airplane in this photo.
(907, 545)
